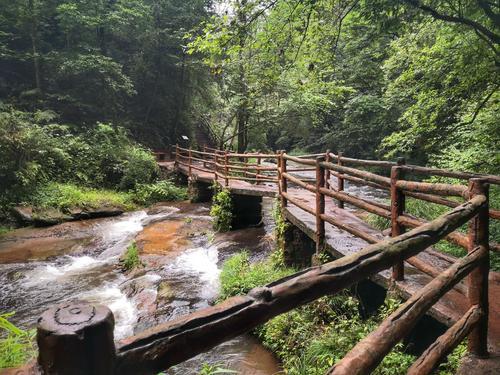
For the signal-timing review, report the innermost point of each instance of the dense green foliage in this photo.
(310, 339)
(221, 210)
(119, 62)
(372, 79)
(16, 345)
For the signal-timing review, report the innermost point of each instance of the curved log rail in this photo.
(170, 343)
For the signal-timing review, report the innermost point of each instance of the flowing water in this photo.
(41, 267)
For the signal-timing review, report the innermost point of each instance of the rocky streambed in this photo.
(182, 259)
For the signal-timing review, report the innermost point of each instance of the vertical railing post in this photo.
(189, 162)
(226, 169)
(216, 161)
(478, 235)
(340, 180)
(203, 156)
(320, 206)
(176, 161)
(283, 181)
(397, 209)
(327, 171)
(258, 171)
(76, 338)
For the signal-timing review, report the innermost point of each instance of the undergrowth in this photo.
(311, 338)
(17, 346)
(66, 196)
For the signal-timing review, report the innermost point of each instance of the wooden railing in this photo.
(89, 329)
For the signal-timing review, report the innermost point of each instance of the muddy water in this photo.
(182, 263)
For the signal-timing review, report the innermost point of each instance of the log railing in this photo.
(75, 338)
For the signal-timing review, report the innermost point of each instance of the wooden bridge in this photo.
(78, 338)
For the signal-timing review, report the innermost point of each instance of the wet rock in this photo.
(49, 216)
(92, 213)
(165, 292)
(23, 214)
(44, 217)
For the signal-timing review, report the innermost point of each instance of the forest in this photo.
(90, 88)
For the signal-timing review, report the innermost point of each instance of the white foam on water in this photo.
(123, 309)
(73, 266)
(203, 263)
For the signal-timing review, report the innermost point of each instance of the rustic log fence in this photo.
(158, 348)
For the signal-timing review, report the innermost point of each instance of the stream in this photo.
(42, 267)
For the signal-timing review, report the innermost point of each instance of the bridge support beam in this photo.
(247, 211)
(298, 247)
(199, 192)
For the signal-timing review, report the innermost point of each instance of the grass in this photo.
(430, 211)
(311, 338)
(17, 346)
(66, 196)
(131, 259)
(238, 276)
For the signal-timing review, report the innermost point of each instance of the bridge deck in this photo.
(447, 310)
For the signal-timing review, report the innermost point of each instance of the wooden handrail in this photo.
(439, 349)
(370, 351)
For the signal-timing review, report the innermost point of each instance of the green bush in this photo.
(221, 211)
(164, 190)
(16, 345)
(139, 168)
(238, 276)
(131, 259)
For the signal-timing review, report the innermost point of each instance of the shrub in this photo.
(221, 211)
(238, 276)
(139, 168)
(131, 259)
(16, 345)
(164, 190)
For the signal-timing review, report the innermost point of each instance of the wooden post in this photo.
(75, 338)
(216, 161)
(204, 156)
(397, 209)
(258, 171)
(320, 206)
(226, 169)
(327, 171)
(340, 180)
(283, 181)
(189, 162)
(478, 278)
